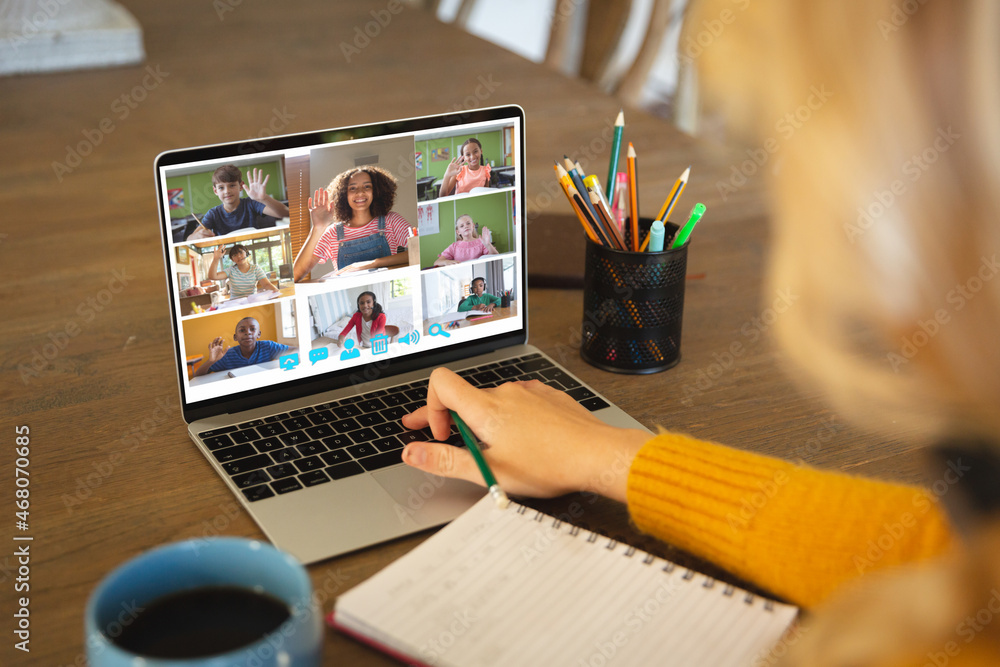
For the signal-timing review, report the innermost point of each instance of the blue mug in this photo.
(223, 563)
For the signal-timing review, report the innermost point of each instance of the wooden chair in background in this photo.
(586, 38)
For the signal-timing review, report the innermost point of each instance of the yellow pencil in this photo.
(573, 196)
(674, 195)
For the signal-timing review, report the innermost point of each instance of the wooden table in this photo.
(87, 358)
(447, 319)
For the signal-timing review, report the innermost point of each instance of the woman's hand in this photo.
(538, 440)
(218, 253)
(321, 210)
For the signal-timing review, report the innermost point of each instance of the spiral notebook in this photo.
(519, 587)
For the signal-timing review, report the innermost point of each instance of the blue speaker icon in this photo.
(411, 338)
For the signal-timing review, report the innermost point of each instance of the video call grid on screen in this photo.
(298, 322)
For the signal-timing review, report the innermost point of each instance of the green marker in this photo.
(499, 497)
(682, 236)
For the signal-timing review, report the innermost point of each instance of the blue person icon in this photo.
(351, 352)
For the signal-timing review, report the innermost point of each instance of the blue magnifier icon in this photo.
(436, 330)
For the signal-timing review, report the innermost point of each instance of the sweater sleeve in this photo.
(354, 323)
(796, 531)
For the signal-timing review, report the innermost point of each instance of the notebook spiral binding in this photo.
(647, 558)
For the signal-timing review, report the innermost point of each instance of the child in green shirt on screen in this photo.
(479, 299)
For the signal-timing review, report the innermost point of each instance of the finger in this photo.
(443, 460)
(416, 419)
(311, 207)
(264, 182)
(447, 391)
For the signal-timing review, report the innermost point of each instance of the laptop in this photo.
(294, 373)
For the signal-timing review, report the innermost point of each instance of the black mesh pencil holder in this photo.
(633, 304)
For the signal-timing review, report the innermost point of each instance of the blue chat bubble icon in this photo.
(318, 354)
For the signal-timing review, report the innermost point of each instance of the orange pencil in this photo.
(569, 190)
(633, 199)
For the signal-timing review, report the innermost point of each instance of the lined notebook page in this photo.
(518, 587)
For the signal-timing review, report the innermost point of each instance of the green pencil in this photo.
(499, 497)
(616, 147)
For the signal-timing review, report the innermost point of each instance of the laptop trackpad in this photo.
(428, 499)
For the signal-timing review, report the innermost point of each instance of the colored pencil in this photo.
(499, 497)
(674, 195)
(575, 172)
(616, 148)
(633, 198)
(605, 219)
(576, 201)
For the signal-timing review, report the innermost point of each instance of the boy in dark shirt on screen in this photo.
(236, 212)
(248, 351)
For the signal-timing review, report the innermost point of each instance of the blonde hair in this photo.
(885, 205)
(475, 229)
(886, 229)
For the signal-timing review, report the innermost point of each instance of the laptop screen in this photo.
(315, 261)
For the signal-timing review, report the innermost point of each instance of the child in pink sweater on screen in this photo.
(470, 245)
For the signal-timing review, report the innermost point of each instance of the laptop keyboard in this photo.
(330, 441)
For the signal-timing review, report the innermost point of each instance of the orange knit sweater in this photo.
(793, 530)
